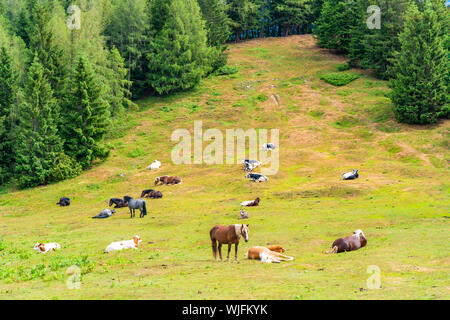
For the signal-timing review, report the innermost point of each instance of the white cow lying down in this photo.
(46, 247)
(155, 165)
(126, 244)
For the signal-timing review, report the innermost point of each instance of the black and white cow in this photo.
(250, 165)
(256, 177)
(268, 146)
(350, 175)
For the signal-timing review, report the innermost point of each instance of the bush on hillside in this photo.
(339, 78)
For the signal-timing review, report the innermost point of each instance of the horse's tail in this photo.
(144, 209)
(211, 233)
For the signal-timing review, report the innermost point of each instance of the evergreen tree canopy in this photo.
(178, 56)
(7, 97)
(419, 89)
(288, 13)
(38, 143)
(84, 116)
(335, 24)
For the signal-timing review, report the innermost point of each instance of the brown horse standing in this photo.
(228, 235)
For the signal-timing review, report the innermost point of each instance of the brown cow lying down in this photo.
(351, 243)
(168, 180)
(268, 255)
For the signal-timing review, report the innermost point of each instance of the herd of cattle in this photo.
(219, 235)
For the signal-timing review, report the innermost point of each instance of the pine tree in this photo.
(335, 24)
(179, 55)
(290, 13)
(7, 97)
(380, 44)
(119, 93)
(41, 42)
(85, 116)
(38, 143)
(217, 22)
(243, 15)
(218, 29)
(128, 32)
(419, 88)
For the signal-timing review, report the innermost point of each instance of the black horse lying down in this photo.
(64, 202)
(152, 194)
(119, 203)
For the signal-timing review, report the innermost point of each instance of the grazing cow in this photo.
(167, 180)
(250, 165)
(152, 194)
(64, 202)
(227, 235)
(256, 177)
(251, 203)
(354, 242)
(268, 255)
(136, 204)
(104, 214)
(46, 247)
(350, 175)
(122, 245)
(119, 203)
(155, 165)
(243, 215)
(268, 146)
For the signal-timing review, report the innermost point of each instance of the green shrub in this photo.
(339, 78)
(64, 167)
(342, 67)
(226, 70)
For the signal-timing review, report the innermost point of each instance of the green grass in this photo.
(401, 199)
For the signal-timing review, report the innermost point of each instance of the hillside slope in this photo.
(401, 200)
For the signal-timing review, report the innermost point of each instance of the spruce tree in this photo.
(380, 44)
(38, 143)
(335, 24)
(119, 85)
(218, 29)
(179, 55)
(128, 32)
(243, 15)
(289, 13)
(217, 22)
(7, 96)
(419, 88)
(85, 116)
(42, 42)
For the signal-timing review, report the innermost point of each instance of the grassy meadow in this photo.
(401, 200)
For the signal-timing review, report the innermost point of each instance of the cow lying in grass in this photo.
(268, 255)
(123, 245)
(46, 247)
(256, 177)
(155, 165)
(251, 203)
(250, 165)
(350, 175)
(354, 242)
(167, 180)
